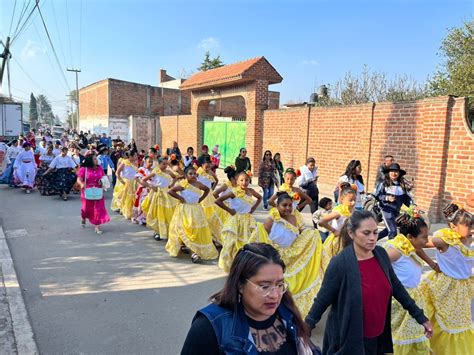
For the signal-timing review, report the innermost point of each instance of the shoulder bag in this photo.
(92, 193)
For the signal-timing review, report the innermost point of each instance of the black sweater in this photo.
(342, 290)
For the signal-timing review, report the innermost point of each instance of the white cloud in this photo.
(310, 62)
(30, 50)
(208, 43)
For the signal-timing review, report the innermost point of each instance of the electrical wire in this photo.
(69, 34)
(11, 22)
(54, 50)
(22, 13)
(26, 21)
(59, 34)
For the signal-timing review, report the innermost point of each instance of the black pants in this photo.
(390, 224)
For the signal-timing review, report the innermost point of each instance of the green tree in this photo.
(33, 111)
(45, 111)
(210, 63)
(455, 75)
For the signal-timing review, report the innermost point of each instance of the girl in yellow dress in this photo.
(239, 227)
(209, 179)
(124, 191)
(300, 199)
(449, 292)
(189, 224)
(333, 222)
(159, 206)
(408, 336)
(224, 189)
(299, 247)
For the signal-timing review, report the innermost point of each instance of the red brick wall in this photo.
(429, 138)
(93, 99)
(182, 129)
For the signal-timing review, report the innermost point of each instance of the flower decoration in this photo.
(298, 172)
(249, 173)
(296, 196)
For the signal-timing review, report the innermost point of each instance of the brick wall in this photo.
(230, 107)
(182, 128)
(93, 99)
(429, 138)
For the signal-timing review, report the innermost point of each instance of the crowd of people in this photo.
(334, 262)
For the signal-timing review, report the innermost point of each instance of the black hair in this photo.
(162, 159)
(88, 161)
(247, 263)
(351, 224)
(152, 149)
(230, 172)
(410, 225)
(389, 156)
(324, 202)
(310, 160)
(265, 153)
(190, 148)
(350, 170)
(290, 171)
(457, 215)
(205, 160)
(282, 196)
(346, 190)
(188, 168)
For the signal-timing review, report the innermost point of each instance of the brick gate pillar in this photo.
(257, 102)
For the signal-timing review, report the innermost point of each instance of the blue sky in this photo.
(309, 42)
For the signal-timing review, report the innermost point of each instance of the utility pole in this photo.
(77, 93)
(6, 56)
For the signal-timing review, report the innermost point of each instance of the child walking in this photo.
(189, 224)
(449, 293)
(408, 336)
(325, 208)
(333, 222)
(391, 195)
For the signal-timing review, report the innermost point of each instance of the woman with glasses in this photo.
(242, 162)
(299, 247)
(266, 177)
(253, 313)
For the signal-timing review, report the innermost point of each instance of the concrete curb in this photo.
(22, 330)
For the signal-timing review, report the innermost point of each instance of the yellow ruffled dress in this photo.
(124, 194)
(331, 246)
(189, 226)
(223, 214)
(159, 206)
(300, 249)
(448, 297)
(238, 228)
(211, 210)
(408, 336)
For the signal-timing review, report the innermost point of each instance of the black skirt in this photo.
(62, 180)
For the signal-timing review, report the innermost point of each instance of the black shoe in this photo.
(157, 237)
(195, 258)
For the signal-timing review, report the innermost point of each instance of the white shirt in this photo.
(13, 152)
(240, 205)
(56, 151)
(454, 263)
(281, 235)
(307, 176)
(46, 158)
(61, 162)
(190, 196)
(407, 270)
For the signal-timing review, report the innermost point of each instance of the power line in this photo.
(54, 50)
(58, 32)
(11, 22)
(69, 34)
(22, 13)
(26, 21)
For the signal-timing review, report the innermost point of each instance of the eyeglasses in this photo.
(266, 290)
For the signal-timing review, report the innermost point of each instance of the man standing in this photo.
(389, 160)
(175, 150)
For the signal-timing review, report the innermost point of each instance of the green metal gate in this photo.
(230, 136)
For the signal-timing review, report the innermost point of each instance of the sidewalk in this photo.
(16, 334)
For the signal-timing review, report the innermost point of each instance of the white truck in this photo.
(11, 120)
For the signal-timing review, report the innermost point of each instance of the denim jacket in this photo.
(233, 332)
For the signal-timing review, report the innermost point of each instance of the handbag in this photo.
(92, 193)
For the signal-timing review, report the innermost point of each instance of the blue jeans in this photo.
(267, 193)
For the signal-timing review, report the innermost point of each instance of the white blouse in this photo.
(407, 270)
(454, 263)
(128, 172)
(240, 205)
(25, 157)
(61, 162)
(190, 196)
(281, 235)
(205, 181)
(161, 181)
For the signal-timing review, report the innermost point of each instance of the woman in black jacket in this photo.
(359, 284)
